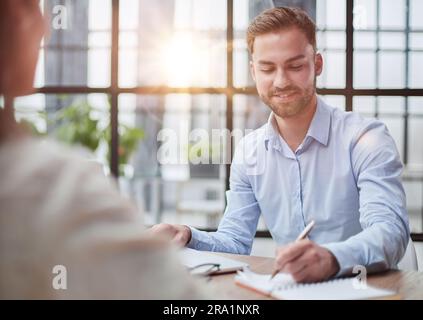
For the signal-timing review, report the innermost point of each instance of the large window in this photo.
(141, 69)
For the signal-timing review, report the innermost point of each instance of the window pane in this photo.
(331, 40)
(335, 101)
(128, 69)
(416, 41)
(415, 70)
(415, 152)
(365, 14)
(99, 14)
(364, 70)
(39, 72)
(392, 40)
(180, 43)
(364, 40)
(391, 70)
(415, 105)
(98, 75)
(129, 13)
(78, 45)
(364, 105)
(391, 105)
(242, 74)
(161, 139)
(416, 8)
(392, 14)
(99, 39)
(333, 75)
(242, 17)
(331, 14)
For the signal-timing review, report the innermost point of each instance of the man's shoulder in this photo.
(350, 124)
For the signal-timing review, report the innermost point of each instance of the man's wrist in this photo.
(334, 264)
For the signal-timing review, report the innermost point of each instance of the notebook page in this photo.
(338, 289)
(262, 282)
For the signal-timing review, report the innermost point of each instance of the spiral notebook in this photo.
(283, 286)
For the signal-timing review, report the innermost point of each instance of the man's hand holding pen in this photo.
(305, 260)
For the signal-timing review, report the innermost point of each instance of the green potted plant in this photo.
(129, 138)
(76, 126)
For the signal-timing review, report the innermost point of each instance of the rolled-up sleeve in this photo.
(377, 168)
(237, 228)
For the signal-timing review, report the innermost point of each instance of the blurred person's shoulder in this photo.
(51, 178)
(44, 160)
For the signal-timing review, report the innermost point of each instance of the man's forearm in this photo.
(219, 241)
(377, 248)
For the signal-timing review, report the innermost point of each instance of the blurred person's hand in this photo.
(178, 234)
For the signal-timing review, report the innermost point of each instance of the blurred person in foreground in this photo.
(57, 209)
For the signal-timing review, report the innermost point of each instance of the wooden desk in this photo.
(409, 284)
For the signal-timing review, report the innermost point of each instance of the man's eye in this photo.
(296, 67)
(266, 70)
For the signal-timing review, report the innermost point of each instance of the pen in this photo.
(302, 235)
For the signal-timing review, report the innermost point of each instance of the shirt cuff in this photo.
(345, 260)
(195, 242)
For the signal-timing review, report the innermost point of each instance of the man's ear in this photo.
(318, 64)
(253, 73)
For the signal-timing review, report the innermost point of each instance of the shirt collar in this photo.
(319, 127)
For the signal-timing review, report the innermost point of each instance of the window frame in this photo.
(349, 92)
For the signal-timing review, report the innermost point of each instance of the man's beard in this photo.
(292, 108)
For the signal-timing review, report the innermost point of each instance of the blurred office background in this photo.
(113, 73)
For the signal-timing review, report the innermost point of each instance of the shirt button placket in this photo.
(296, 196)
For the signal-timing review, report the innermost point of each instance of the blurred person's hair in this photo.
(281, 18)
(20, 35)
(21, 29)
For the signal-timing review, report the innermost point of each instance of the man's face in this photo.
(284, 67)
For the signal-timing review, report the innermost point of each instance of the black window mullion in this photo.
(350, 56)
(114, 143)
(230, 85)
(407, 63)
(377, 55)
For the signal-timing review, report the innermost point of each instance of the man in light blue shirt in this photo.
(310, 161)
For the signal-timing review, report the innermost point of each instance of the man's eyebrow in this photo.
(300, 56)
(265, 62)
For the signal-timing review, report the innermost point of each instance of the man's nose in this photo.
(281, 79)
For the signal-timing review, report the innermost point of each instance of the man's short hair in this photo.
(281, 18)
